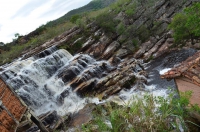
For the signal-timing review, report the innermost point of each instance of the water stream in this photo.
(36, 80)
(44, 81)
(155, 85)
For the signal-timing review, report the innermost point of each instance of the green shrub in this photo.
(121, 28)
(107, 22)
(74, 18)
(147, 113)
(143, 33)
(186, 24)
(131, 9)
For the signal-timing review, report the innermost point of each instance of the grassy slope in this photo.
(46, 32)
(92, 6)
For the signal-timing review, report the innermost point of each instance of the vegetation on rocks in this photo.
(131, 22)
(44, 33)
(186, 24)
(92, 6)
(120, 18)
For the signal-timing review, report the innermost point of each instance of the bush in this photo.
(131, 8)
(143, 33)
(74, 18)
(107, 22)
(5, 47)
(121, 28)
(148, 113)
(186, 24)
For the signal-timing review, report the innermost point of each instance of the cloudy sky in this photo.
(23, 16)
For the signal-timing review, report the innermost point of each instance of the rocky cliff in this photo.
(119, 49)
(104, 60)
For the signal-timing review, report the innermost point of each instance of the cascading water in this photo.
(40, 83)
(155, 85)
(51, 79)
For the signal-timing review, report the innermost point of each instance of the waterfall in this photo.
(55, 80)
(42, 80)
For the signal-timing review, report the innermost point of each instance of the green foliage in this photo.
(135, 43)
(186, 24)
(92, 6)
(193, 19)
(148, 113)
(12, 50)
(131, 9)
(40, 30)
(129, 12)
(143, 33)
(121, 28)
(5, 47)
(17, 35)
(107, 22)
(74, 18)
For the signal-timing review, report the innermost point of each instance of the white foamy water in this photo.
(125, 97)
(36, 80)
(164, 70)
(45, 81)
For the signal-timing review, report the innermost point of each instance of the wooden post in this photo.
(37, 121)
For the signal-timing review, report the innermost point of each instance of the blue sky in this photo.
(23, 16)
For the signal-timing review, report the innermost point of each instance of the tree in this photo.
(107, 22)
(74, 18)
(186, 25)
(1, 44)
(17, 35)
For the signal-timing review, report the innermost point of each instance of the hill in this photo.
(93, 5)
(11, 50)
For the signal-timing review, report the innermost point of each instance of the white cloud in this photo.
(23, 16)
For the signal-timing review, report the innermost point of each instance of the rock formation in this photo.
(104, 64)
(190, 69)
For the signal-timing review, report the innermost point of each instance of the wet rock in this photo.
(189, 68)
(85, 87)
(114, 60)
(50, 120)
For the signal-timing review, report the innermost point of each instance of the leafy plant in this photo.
(147, 113)
(74, 18)
(121, 28)
(186, 24)
(107, 22)
(131, 9)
